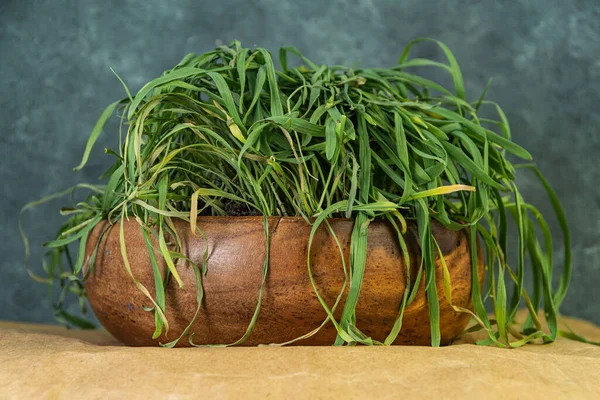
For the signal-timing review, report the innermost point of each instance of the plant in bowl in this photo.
(314, 204)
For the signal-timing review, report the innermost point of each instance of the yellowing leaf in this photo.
(236, 131)
(442, 190)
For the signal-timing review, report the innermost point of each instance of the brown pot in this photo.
(290, 307)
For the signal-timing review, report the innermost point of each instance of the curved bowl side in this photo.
(290, 308)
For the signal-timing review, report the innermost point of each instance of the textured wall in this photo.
(543, 55)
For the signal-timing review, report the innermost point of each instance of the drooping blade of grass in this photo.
(127, 265)
(541, 262)
(159, 287)
(106, 114)
(491, 136)
(199, 298)
(406, 260)
(24, 237)
(252, 322)
(82, 244)
(358, 259)
(425, 237)
(167, 256)
(178, 74)
(326, 213)
(338, 298)
(476, 297)
(521, 227)
(562, 220)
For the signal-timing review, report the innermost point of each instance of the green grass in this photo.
(227, 129)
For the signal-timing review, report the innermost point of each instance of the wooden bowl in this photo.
(289, 305)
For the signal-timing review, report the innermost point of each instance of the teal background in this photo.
(543, 56)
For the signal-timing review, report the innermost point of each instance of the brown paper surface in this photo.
(41, 361)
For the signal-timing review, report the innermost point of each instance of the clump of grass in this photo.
(227, 133)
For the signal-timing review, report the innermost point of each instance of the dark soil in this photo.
(239, 210)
